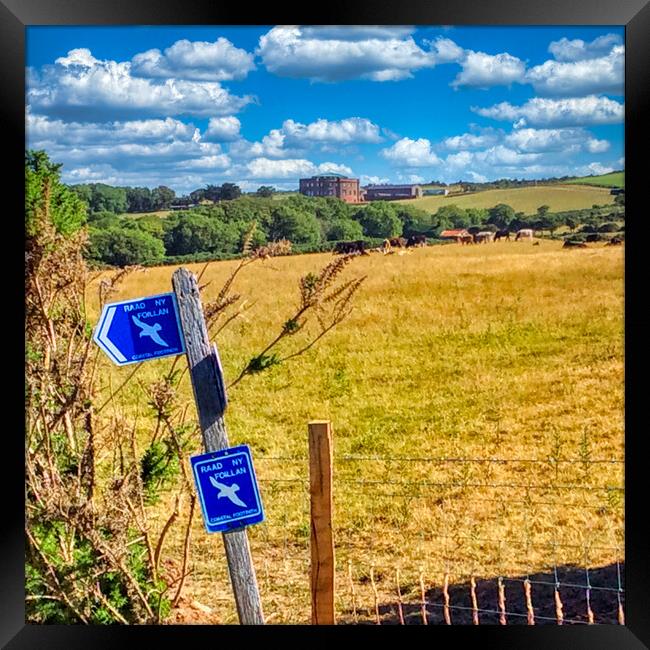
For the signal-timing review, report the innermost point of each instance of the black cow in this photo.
(416, 240)
(502, 234)
(614, 241)
(574, 244)
(347, 247)
(593, 237)
(398, 242)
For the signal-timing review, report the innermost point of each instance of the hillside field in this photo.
(524, 199)
(503, 351)
(615, 179)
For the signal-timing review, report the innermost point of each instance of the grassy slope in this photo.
(616, 179)
(452, 351)
(526, 199)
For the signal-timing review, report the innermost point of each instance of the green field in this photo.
(506, 351)
(525, 199)
(615, 179)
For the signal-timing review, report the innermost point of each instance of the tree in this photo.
(193, 232)
(501, 215)
(44, 192)
(265, 191)
(345, 229)
(298, 227)
(619, 199)
(571, 223)
(543, 210)
(379, 219)
(101, 197)
(125, 246)
(138, 199)
(230, 191)
(162, 197)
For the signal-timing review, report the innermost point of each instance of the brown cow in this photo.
(398, 242)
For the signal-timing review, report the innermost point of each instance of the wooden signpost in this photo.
(210, 396)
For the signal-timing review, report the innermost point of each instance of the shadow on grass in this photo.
(576, 600)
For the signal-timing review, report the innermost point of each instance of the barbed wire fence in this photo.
(452, 539)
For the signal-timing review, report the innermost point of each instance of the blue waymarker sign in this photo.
(227, 489)
(140, 329)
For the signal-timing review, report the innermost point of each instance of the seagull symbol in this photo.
(150, 330)
(227, 491)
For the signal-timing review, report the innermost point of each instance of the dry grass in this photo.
(506, 350)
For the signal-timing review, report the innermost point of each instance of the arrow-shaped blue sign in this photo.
(140, 329)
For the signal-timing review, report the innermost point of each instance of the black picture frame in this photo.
(15, 15)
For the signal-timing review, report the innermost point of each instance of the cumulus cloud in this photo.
(578, 50)
(575, 111)
(411, 153)
(595, 169)
(581, 77)
(482, 70)
(79, 86)
(222, 129)
(268, 169)
(471, 140)
(541, 140)
(337, 54)
(294, 137)
(444, 50)
(373, 180)
(195, 61)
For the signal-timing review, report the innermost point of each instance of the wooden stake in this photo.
(210, 397)
(322, 539)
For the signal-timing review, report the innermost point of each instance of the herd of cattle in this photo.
(360, 246)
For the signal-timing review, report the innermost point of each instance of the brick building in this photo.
(346, 189)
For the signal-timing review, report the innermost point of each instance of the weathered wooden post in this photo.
(322, 540)
(210, 396)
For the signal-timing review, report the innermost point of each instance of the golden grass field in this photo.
(525, 199)
(503, 351)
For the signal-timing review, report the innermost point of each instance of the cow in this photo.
(593, 237)
(416, 240)
(574, 244)
(348, 247)
(398, 242)
(614, 241)
(465, 239)
(524, 233)
(502, 234)
(483, 237)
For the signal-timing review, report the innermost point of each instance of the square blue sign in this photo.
(227, 488)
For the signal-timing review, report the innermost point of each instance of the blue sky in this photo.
(187, 106)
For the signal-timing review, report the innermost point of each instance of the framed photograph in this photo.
(404, 228)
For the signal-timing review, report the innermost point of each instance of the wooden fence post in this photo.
(209, 394)
(322, 540)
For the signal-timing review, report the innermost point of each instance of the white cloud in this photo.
(471, 140)
(444, 50)
(581, 77)
(563, 140)
(267, 169)
(346, 131)
(575, 111)
(41, 130)
(411, 153)
(482, 70)
(337, 54)
(195, 61)
(80, 86)
(411, 178)
(594, 169)
(294, 138)
(476, 177)
(373, 180)
(578, 50)
(222, 129)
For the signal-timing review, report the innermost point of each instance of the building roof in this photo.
(332, 175)
(391, 187)
(454, 233)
